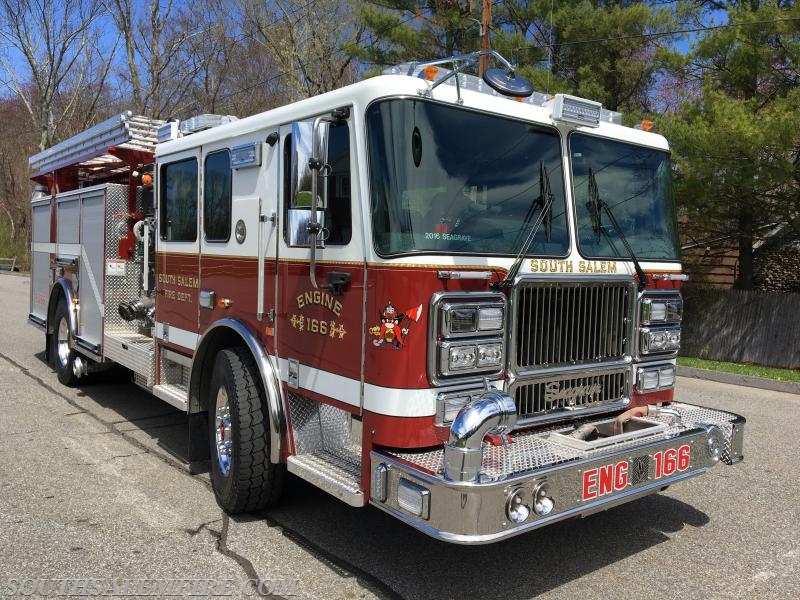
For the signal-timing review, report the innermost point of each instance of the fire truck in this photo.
(446, 296)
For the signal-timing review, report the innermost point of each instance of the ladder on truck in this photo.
(98, 151)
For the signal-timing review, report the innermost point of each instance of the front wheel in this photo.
(242, 476)
(61, 355)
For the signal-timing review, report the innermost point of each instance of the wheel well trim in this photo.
(62, 286)
(266, 369)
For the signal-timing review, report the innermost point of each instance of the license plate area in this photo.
(605, 479)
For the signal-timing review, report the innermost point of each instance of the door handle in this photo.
(337, 282)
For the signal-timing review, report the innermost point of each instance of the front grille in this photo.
(570, 392)
(571, 323)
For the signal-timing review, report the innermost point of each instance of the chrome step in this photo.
(173, 394)
(336, 474)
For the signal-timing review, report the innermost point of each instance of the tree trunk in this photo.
(11, 221)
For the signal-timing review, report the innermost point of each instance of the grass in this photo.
(13, 247)
(741, 369)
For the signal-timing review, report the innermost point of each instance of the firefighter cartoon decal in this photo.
(394, 325)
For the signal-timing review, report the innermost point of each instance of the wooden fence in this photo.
(742, 326)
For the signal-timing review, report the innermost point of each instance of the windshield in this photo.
(445, 179)
(636, 184)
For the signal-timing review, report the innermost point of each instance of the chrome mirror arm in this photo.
(315, 164)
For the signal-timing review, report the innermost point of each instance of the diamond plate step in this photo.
(330, 472)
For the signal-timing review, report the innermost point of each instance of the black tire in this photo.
(242, 476)
(62, 356)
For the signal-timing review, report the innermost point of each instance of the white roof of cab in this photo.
(361, 94)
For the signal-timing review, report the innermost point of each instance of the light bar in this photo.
(205, 121)
(576, 110)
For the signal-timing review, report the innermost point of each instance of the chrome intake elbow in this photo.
(493, 412)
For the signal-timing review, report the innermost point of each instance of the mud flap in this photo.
(198, 451)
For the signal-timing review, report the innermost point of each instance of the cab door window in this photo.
(217, 197)
(179, 201)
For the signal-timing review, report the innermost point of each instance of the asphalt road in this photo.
(93, 484)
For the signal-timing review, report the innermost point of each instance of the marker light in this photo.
(430, 72)
(576, 110)
(414, 498)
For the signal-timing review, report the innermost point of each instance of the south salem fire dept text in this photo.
(450, 297)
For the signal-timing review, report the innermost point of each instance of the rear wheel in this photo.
(61, 355)
(242, 476)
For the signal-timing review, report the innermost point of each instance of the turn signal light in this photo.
(431, 72)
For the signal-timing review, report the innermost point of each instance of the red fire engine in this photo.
(450, 297)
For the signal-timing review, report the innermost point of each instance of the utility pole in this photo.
(485, 21)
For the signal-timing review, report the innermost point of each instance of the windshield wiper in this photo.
(596, 205)
(545, 203)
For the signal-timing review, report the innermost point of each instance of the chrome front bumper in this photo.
(412, 485)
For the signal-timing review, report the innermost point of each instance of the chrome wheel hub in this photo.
(62, 343)
(222, 429)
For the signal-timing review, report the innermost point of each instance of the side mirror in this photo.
(309, 152)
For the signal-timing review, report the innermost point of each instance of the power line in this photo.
(679, 31)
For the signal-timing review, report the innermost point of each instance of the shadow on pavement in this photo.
(134, 411)
(417, 566)
(393, 559)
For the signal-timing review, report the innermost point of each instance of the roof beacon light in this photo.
(576, 110)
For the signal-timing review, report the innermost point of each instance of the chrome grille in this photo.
(571, 392)
(571, 323)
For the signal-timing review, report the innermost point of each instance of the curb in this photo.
(789, 387)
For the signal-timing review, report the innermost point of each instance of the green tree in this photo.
(611, 51)
(737, 145)
(405, 30)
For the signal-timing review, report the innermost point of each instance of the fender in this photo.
(222, 330)
(61, 286)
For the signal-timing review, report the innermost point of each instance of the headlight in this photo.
(461, 320)
(490, 318)
(457, 357)
(668, 309)
(461, 357)
(466, 336)
(471, 319)
(490, 355)
(659, 340)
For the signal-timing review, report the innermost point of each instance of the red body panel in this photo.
(404, 365)
(178, 283)
(316, 327)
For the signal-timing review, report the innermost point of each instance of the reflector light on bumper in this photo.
(414, 498)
